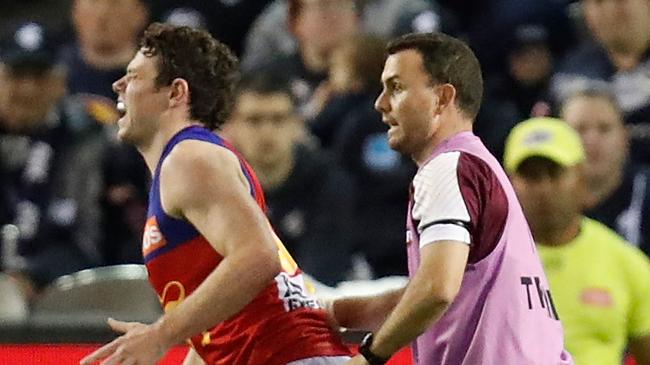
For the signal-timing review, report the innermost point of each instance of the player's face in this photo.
(602, 132)
(407, 103)
(265, 128)
(140, 102)
(550, 195)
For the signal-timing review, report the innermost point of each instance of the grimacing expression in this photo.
(142, 102)
(550, 194)
(265, 127)
(407, 102)
(601, 129)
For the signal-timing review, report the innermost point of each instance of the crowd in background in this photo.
(72, 197)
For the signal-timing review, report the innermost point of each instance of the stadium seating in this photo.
(13, 304)
(88, 297)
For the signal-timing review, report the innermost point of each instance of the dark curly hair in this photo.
(209, 67)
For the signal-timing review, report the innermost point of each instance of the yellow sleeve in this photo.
(639, 278)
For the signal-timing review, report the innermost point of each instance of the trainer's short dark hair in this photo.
(209, 67)
(447, 60)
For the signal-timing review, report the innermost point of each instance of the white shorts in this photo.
(323, 360)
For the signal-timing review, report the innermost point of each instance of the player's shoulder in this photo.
(198, 158)
(195, 173)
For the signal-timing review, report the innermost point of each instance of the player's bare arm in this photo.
(203, 183)
(640, 348)
(428, 295)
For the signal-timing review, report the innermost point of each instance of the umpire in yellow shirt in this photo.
(600, 284)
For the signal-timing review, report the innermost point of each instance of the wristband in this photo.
(364, 350)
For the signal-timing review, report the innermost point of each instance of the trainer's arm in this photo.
(428, 295)
(203, 183)
(364, 313)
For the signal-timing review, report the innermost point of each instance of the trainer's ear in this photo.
(446, 97)
(179, 92)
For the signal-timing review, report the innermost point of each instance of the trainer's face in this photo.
(601, 128)
(407, 102)
(264, 127)
(550, 195)
(140, 102)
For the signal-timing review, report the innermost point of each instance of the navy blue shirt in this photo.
(627, 209)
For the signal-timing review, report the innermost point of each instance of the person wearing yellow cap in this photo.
(600, 284)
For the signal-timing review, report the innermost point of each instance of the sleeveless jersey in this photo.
(503, 313)
(283, 323)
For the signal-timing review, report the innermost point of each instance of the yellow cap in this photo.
(543, 137)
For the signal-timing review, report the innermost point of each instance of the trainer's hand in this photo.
(140, 344)
(357, 360)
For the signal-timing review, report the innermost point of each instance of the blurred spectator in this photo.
(530, 66)
(352, 84)
(106, 40)
(270, 37)
(600, 284)
(488, 26)
(351, 127)
(619, 56)
(123, 203)
(319, 26)
(310, 199)
(227, 20)
(14, 13)
(619, 191)
(521, 93)
(50, 159)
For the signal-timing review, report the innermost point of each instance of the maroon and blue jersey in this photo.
(282, 324)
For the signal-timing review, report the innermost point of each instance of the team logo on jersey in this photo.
(597, 297)
(173, 294)
(293, 293)
(152, 239)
